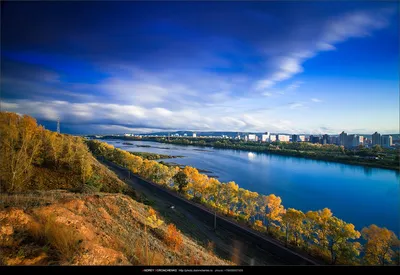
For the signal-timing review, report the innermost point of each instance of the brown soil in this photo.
(62, 228)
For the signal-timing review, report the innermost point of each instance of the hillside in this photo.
(62, 228)
(60, 206)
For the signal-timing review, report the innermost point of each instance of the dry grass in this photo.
(195, 260)
(99, 229)
(65, 240)
(139, 256)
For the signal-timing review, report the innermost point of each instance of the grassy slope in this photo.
(48, 179)
(60, 227)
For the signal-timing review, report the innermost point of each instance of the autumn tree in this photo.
(215, 189)
(258, 225)
(248, 202)
(181, 180)
(338, 235)
(292, 223)
(274, 211)
(20, 143)
(380, 243)
(229, 194)
(262, 206)
(319, 229)
(196, 181)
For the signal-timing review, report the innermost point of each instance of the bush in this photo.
(173, 237)
(95, 181)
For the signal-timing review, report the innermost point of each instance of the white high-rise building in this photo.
(272, 138)
(252, 137)
(265, 137)
(386, 140)
(194, 135)
(359, 140)
(283, 137)
(302, 138)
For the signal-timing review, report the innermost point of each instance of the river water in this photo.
(356, 194)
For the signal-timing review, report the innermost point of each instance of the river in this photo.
(356, 194)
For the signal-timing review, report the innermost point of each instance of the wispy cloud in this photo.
(334, 30)
(267, 94)
(297, 105)
(294, 86)
(316, 100)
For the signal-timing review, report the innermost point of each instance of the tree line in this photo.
(25, 146)
(318, 233)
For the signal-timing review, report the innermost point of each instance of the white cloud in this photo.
(323, 46)
(267, 94)
(356, 24)
(8, 106)
(316, 100)
(114, 117)
(296, 105)
(334, 30)
(293, 86)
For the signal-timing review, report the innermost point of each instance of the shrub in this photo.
(173, 237)
(95, 181)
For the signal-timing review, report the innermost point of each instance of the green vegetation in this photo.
(152, 156)
(318, 233)
(373, 157)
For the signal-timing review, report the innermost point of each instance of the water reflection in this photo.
(251, 155)
(367, 171)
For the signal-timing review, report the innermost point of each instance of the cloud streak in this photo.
(335, 30)
(316, 100)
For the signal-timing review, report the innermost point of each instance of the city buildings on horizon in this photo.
(342, 139)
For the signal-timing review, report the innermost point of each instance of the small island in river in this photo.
(153, 156)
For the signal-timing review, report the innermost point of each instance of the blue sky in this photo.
(113, 67)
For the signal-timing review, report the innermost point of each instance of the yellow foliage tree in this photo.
(215, 188)
(229, 194)
(319, 226)
(20, 143)
(292, 223)
(338, 234)
(274, 211)
(380, 243)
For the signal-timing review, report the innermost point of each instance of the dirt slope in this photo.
(62, 228)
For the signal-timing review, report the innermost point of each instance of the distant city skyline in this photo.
(182, 133)
(137, 67)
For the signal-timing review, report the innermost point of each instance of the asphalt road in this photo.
(232, 241)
